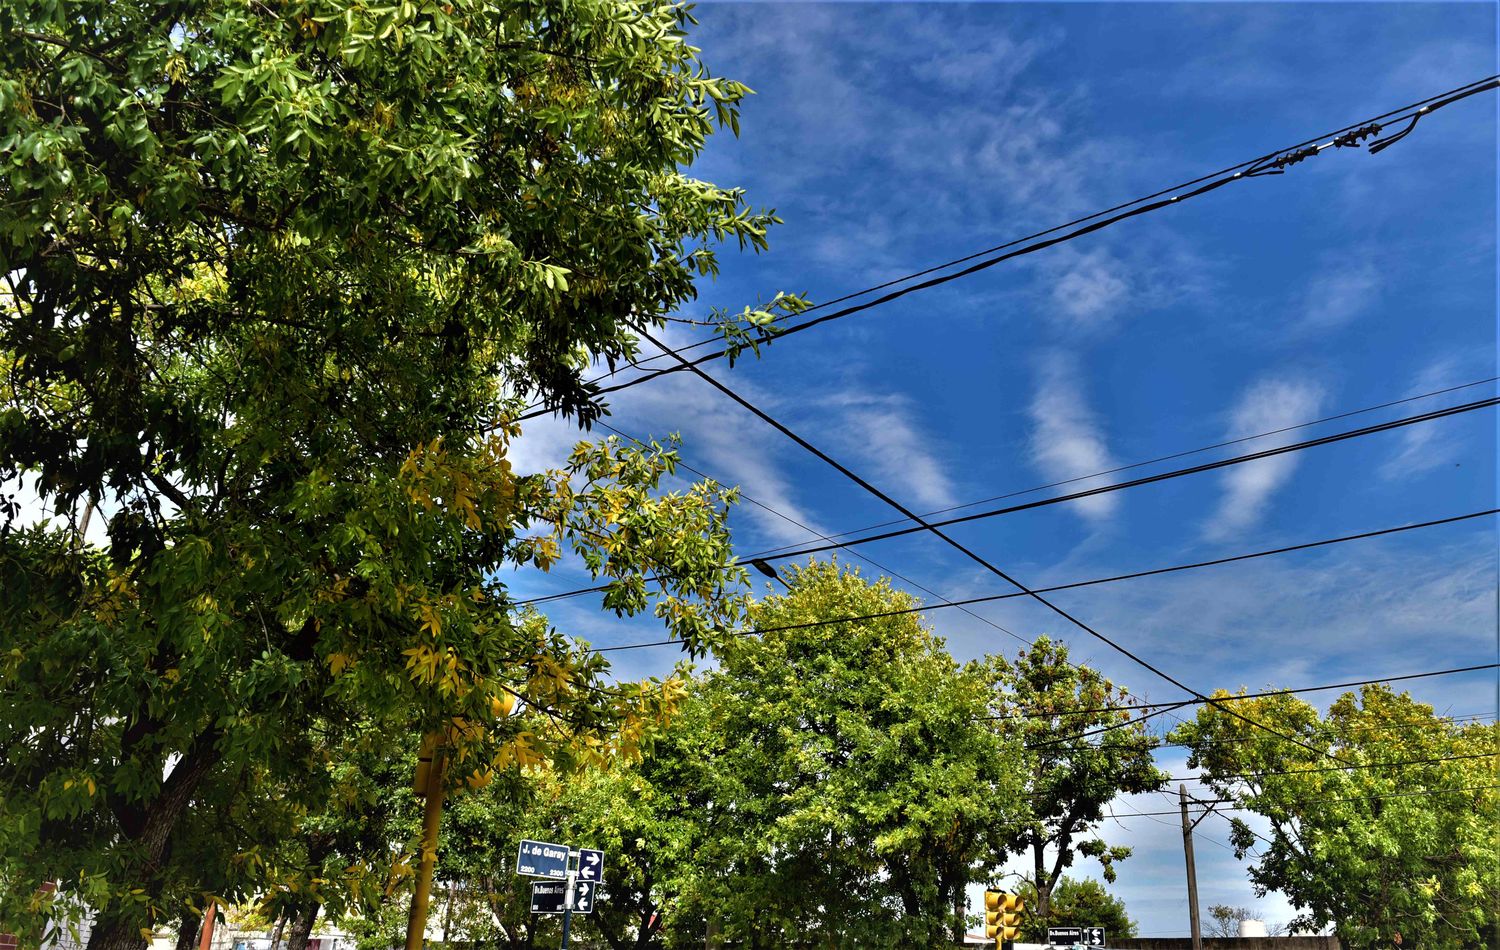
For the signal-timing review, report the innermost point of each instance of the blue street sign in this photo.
(583, 899)
(590, 865)
(542, 859)
(547, 897)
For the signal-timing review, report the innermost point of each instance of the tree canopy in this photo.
(1083, 749)
(1076, 902)
(1400, 843)
(274, 280)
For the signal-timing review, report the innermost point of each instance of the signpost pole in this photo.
(568, 899)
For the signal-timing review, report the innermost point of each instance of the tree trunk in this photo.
(187, 930)
(960, 913)
(303, 920)
(1043, 884)
(150, 829)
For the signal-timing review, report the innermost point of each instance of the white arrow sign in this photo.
(590, 865)
(583, 902)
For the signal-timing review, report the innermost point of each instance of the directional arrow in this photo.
(584, 901)
(590, 865)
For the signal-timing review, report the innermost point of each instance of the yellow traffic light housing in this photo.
(993, 901)
(1010, 917)
(1002, 916)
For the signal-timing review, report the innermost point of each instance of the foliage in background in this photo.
(1076, 902)
(859, 785)
(274, 277)
(1377, 852)
(1083, 749)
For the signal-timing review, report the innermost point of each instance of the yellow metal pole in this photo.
(432, 814)
(206, 937)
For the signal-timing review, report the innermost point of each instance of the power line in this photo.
(1273, 162)
(788, 551)
(945, 601)
(1073, 585)
(1300, 689)
(1163, 458)
(868, 487)
(1148, 479)
(869, 560)
(1230, 803)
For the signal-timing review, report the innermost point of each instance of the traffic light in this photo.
(1010, 920)
(1002, 916)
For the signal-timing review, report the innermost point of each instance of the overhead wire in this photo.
(1148, 479)
(1162, 458)
(1265, 164)
(961, 548)
(1074, 585)
(785, 552)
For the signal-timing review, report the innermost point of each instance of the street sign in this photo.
(590, 865)
(583, 900)
(548, 897)
(542, 859)
(1080, 936)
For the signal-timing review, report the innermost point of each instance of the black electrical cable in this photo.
(1283, 692)
(1146, 480)
(1231, 803)
(1214, 180)
(1161, 458)
(1073, 585)
(789, 551)
(976, 558)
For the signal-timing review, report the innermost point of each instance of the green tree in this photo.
(859, 784)
(1376, 851)
(1079, 902)
(1083, 749)
(274, 278)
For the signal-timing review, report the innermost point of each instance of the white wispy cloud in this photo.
(1092, 289)
(1271, 403)
(880, 430)
(1339, 294)
(1067, 439)
(1422, 448)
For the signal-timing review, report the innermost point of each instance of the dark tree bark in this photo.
(188, 929)
(303, 919)
(150, 827)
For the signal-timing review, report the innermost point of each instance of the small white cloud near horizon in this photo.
(1271, 403)
(1067, 440)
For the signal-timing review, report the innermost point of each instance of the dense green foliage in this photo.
(838, 784)
(274, 278)
(1377, 852)
(1083, 749)
(860, 782)
(1081, 902)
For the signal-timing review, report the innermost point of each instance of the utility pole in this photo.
(1192, 870)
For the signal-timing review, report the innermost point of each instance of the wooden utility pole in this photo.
(1192, 870)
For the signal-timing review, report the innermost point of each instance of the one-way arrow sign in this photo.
(583, 900)
(590, 865)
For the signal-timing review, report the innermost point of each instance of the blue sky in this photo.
(890, 137)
